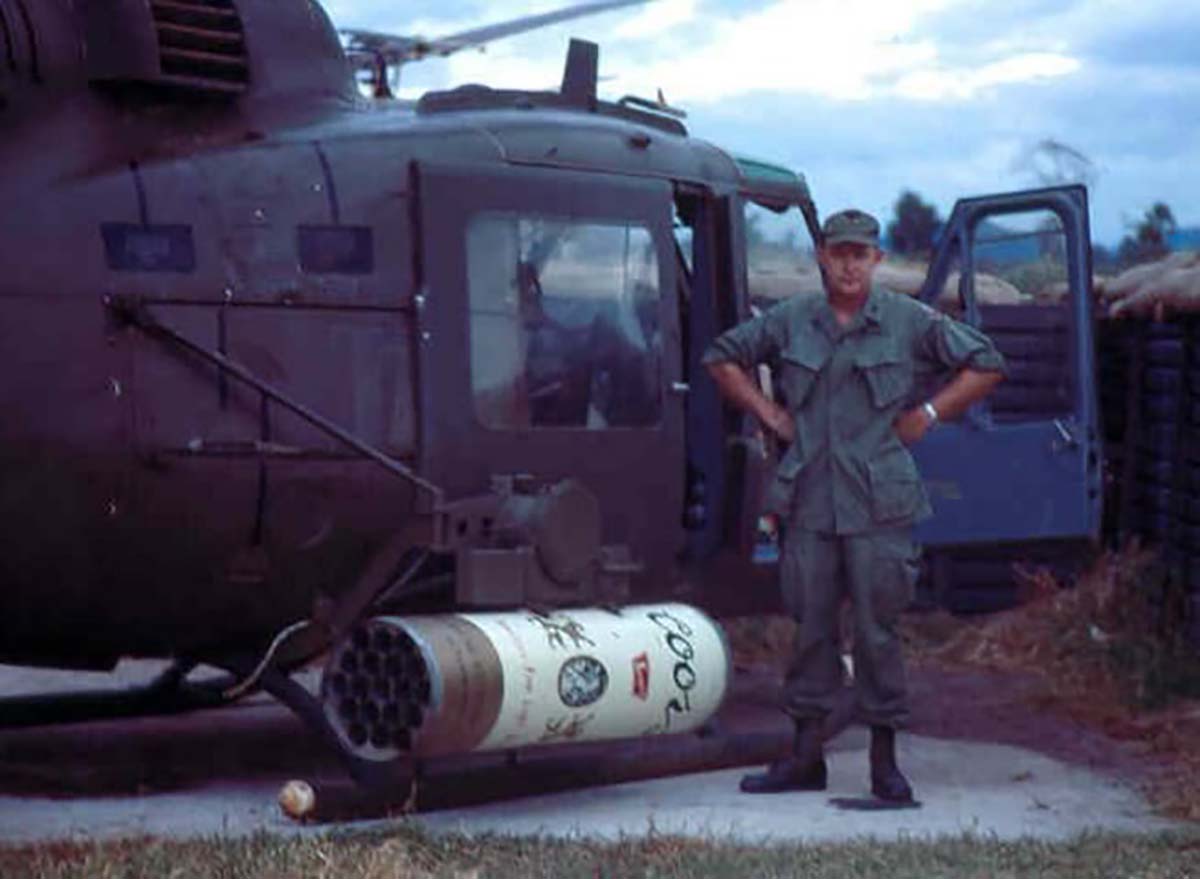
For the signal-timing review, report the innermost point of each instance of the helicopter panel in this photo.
(64, 443)
(309, 352)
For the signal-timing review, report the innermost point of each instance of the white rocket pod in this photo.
(477, 682)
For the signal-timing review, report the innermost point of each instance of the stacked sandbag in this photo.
(773, 281)
(909, 277)
(1170, 285)
(1149, 384)
(1056, 292)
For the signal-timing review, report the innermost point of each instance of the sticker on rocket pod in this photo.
(581, 681)
(641, 676)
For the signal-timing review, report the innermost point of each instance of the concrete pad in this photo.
(230, 810)
(992, 790)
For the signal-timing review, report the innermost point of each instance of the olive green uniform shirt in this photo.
(847, 471)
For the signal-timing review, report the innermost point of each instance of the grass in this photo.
(409, 853)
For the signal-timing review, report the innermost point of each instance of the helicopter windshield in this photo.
(565, 328)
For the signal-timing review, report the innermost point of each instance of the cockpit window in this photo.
(565, 325)
(780, 258)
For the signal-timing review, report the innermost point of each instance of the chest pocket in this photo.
(801, 364)
(889, 376)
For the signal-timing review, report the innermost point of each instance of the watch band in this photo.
(931, 413)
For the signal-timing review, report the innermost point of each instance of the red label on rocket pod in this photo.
(641, 676)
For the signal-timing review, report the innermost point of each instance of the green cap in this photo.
(853, 226)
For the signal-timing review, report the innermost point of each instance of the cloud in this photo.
(822, 47)
(657, 19)
(961, 84)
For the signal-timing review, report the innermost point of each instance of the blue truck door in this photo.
(1023, 468)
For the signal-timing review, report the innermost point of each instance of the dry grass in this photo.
(756, 641)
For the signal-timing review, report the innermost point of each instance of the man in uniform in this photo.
(847, 488)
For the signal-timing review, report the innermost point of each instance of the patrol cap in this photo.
(853, 226)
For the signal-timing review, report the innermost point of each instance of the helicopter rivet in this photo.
(420, 301)
(228, 294)
(115, 385)
(317, 187)
(112, 509)
(260, 214)
(426, 336)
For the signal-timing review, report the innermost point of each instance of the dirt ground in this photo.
(1003, 707)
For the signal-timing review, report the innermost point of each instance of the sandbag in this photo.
(909, 277)
(1133, 280)
(1176, 289)
(902, 277)
(779, 280)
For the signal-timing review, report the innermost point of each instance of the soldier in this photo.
(847, 488)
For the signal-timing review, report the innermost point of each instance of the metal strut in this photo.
(133, 312)
(169, 693)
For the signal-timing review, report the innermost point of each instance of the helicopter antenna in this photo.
(580, 74)
(375, 53)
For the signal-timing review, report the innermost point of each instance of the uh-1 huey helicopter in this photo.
(290, 374)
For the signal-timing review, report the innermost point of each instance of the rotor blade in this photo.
(466, 39)
(372, 44)
(398, 50)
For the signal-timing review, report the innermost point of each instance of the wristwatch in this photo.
(931, 413)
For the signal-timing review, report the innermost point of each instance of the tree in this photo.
(1150, 238)
(1156, 227)
(912, 230)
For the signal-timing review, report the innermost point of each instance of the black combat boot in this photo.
(804, 770)
(887, 782)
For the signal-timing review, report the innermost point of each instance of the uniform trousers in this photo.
(877, 571)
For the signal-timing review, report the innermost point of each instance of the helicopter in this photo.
(294, 374)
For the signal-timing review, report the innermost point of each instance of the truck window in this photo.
(564, 323)
(1020, 259)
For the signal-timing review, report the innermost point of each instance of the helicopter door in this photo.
(551, 342)
(1022, 469)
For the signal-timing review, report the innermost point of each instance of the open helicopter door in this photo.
(550, 344)
(1018, 478)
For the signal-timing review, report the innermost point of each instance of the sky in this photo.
(866, 98)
